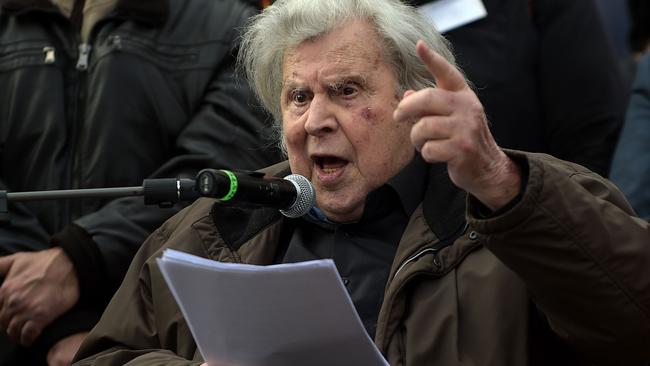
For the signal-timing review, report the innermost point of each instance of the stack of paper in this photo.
(285, 314)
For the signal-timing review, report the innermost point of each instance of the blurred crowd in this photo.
(108, 93)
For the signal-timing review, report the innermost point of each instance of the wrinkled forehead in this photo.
(353, 48)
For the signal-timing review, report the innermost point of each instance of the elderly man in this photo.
(453, 250)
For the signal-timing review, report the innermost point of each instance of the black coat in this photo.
(157, 97)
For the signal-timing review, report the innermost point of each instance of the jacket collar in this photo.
(153, 12)
(444, 209)
(237, 225)
(444, 204)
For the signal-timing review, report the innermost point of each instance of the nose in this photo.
(321, 119)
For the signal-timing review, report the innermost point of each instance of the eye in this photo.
(349, 90)
(299, 97)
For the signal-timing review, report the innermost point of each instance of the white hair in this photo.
(287, 23)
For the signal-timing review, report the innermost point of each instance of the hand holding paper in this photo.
(286, 314)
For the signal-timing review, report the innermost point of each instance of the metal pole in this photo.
(76, 193)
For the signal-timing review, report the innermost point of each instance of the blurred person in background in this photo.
(631, 165)
(547, 76)
(453, 250)
(104, 94)
(616, 20)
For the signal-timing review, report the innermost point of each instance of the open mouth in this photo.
(329, 165)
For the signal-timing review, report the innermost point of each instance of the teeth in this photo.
(329, 170)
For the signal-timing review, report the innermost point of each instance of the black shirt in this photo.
(363, 251)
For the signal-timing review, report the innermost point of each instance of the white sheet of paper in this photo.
(285, 314)
(446, 15)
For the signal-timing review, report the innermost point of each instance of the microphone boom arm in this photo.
(292, 195)
(162, 192)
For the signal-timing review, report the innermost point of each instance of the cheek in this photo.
(367, 114)
(298, 165)
(293, 132)
(382, 143)
(295, 138)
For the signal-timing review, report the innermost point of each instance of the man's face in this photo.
(338, 97)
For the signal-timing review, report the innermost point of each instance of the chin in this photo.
(340, 210)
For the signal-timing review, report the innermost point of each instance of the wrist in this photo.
(88, 263)
(67, 274)
(502, 187)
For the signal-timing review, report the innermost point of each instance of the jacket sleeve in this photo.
(22, 230)
(226, 131)
(583, 255)
(141, 326)
(582, 90)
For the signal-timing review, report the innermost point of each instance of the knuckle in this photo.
(473, 127)
(425, 126)
(7, 287)
(13, 330)
(466, 145)
(476, 111)
(414, 138)
(416, 135)
(30, 332)
(451, 99)
(476, 107)
(433, 128)
(431, 125)
(16, 301)
(41, 313)
(428, 152)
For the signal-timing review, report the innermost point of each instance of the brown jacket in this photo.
(460, 287)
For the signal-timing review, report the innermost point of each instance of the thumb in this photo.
(5, 264)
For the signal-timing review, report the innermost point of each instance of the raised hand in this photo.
(451, 126)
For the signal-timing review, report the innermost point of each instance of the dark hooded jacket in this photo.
(151, 94)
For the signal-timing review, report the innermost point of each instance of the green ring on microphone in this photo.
(233, 185)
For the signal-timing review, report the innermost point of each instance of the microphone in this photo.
(293, 195)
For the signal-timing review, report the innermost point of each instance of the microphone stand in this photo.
(162, 192)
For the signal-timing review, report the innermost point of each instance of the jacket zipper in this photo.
(50, 55)
(118, 42)
(84, 55)
(79, 97)
(433, 251)
(430, 274)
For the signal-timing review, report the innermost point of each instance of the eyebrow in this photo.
(340, 81)
(332, 83)
(291, 85)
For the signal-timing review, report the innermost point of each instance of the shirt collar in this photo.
(409, 184)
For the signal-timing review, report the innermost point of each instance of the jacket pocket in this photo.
(166, 56)
(19, 55)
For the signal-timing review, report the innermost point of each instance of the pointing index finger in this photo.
(446, 75)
